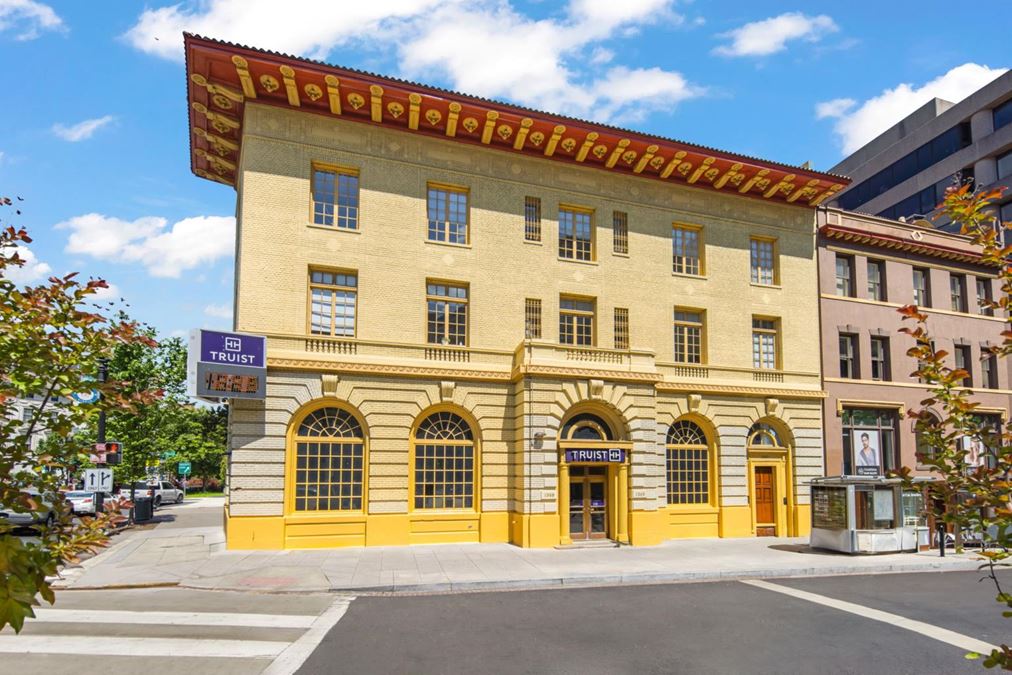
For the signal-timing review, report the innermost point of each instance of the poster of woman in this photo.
(976, 451)
(866, 448)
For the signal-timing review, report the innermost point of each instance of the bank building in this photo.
(487, 323)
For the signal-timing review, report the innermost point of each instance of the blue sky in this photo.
(94, 116)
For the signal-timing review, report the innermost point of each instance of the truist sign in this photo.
(226, 365)
(234, 349)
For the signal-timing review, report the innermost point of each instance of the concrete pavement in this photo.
(189, 552)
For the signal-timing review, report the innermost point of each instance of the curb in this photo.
(606, 580)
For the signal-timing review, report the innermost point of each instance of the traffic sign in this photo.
(85, 397)
(99, 480)
(184, 468)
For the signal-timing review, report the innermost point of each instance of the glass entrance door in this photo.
(588, 502)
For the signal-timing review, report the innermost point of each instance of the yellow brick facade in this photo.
(517, 394)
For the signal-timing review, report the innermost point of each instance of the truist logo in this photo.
(232, 357)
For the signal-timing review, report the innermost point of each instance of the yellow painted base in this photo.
(254, 533)
(691, 522)
(802, 520)
(647, 528)
(735, 521)
(534, 530)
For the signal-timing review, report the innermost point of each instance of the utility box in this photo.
(144, 509)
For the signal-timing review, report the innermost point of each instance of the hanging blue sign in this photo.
(85, 396)
(610, 455)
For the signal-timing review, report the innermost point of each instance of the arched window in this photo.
(763, 435)
(586, 427)
(444, 463)
(688, 464)
(329, 449)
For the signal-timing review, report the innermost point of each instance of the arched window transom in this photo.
(329, 456)
(688, 464)
(444, 462)
(586, 427)
(764, 435)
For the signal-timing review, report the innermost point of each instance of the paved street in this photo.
(723, 627)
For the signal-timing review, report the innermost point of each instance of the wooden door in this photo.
(588, 503)
(764, 491)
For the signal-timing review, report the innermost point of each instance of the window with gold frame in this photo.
(532, 218)
(620, 232)
(688, 464)
(765, 343)
(446, 313)
(335, 196)
(329, 462)
(689, 327)
(576, 233)
(532, 319)
(333, 299)
(621, 328)
(444, 463)
(576, 321)
(687, 250)
(763, 261)
(448, 214)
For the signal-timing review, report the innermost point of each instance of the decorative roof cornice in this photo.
(916, 244)
(222, 77)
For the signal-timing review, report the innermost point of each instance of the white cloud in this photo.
(164, 251)
(768, 36)
(857, 124)
(33, 269)
(482, 47)
(219, 311)
(82, 130)
(110, 292)
(28, 17)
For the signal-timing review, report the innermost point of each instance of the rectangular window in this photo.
(621, 328)
(989, 371)
(446, 322)
(532, 319)
(329, 475)
(844, 275)
(444, 475)
(764, 343)
(880, 358)
(448, 214)
(1004, 165)
(332, 300)
(576, 234)
(869, 440)
(848, 356)
(1002, 115)
(688, 336)
(335, 197)
(763, 261)
(957, 292)
(532, 218)
(984, 297)
(963, 362)
(620, 232)
(686, 249)
(576, 321)
(876, 280)
(922, 287)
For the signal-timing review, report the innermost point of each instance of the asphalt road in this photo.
(726, 627)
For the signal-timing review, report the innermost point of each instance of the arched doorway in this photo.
(770, 480)
(593, 479)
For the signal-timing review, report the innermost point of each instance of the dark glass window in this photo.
(937, 149)
(963, 362)
(1005, 165)
(989, 371)
(1003, 115)
(869, 439)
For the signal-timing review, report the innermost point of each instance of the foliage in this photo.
(975, 496)
(52, 336)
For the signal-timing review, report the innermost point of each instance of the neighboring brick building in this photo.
(870, 267)
(487, 323)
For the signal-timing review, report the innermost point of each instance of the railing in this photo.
(699, 372)
(767, 376)
(451, 354)
(319, 345)
(594, 355)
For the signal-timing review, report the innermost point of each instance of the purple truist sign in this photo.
(609, 455)
(233, 349)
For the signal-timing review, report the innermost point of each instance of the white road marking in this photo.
(174, 618)
(296, 654)
(138, 646)
(966, 642)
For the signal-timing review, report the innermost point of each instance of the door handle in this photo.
(785, 501)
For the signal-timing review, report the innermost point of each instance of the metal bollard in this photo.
(940, 527)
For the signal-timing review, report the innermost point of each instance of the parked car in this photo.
(45, 515)
(83, 502)
(162, 492)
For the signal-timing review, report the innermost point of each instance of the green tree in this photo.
(51, 338)
(976, 496)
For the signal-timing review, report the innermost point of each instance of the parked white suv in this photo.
(163, 492)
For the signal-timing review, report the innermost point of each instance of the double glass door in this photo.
(588, 502)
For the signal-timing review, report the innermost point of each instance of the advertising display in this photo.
(226, 365)
(976, 451)
(867, 451)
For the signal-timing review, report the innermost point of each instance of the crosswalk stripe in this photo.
(138, 646)
(951, 637)
(174, 618)
(292, 658)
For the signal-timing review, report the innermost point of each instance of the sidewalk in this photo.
(195, 557)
